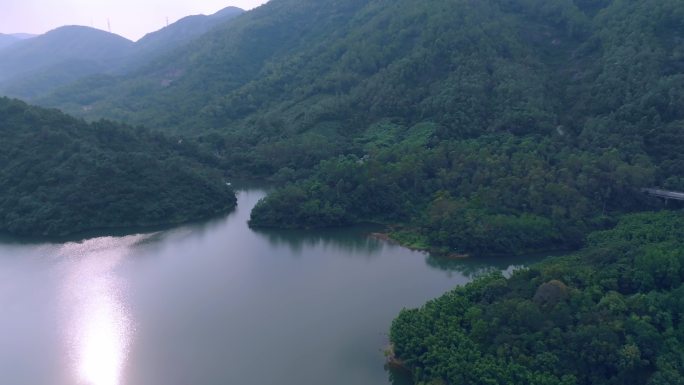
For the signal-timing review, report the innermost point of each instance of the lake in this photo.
(213, 303)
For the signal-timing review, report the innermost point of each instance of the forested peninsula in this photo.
(609, 314)
(62, 176)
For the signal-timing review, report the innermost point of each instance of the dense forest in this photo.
(472, 127)
(59, 176)
(532, 124)
(609, 314)
(158, 44)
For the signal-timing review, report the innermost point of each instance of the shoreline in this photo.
(114, 231)
(454, 256)
(387, 237)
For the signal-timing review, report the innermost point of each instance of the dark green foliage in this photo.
(158, 44)
(59, 176)
(484, 126)
(610, 314)
(494, 194)
(545, 118)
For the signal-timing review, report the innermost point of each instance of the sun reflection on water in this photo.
(103, 343)
(100, 328)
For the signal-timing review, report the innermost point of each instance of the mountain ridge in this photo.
(58, 57)
(156, 44)
(67, 54)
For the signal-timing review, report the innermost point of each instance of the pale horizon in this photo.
(131, 19)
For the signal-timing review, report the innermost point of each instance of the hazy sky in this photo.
(128, 18)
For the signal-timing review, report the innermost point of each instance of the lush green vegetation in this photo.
(487, 127)
(610, 314)
(157, 45)
(494, 194)
(530, 125)
(479, 126)
(59, 175)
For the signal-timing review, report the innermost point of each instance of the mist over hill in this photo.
(59, 57)
(155, 44)
(7, 40)
(23, 36)
(30, 68)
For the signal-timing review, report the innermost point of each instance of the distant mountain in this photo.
(196, 79)
(29, 68)
(23, 36)
(7, 40)
(183, 31)
(59, 176)
(59, 57)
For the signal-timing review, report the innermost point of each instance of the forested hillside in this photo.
(610, 314)
(61, 56)
(156, 45)
(540, 125)
(534, 121)
(59, 176)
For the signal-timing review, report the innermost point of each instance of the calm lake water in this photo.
(211, 304)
